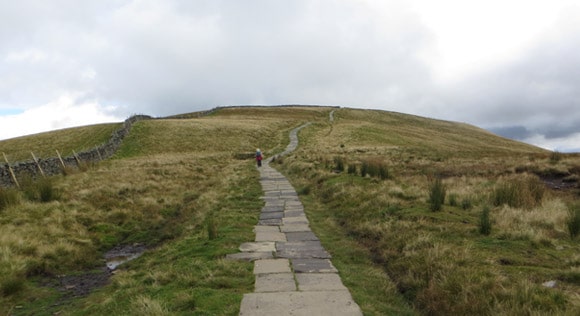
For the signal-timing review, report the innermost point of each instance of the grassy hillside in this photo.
(393, 247)
(186, 189)
(65, 141)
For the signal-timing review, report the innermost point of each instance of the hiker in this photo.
(259, 157)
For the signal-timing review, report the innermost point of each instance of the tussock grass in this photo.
(8, 197)
(65, 141)
(485, 222)
(439, 262)
(393, 253)
(519, 192)
(169, 178)
(437, 194)
(573, 221)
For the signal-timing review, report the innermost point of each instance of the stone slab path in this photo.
(294, 274)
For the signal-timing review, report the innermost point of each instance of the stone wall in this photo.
(53, 165)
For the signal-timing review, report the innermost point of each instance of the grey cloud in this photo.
(167, 57)
(539, 91)
(513, 132)
(297, 52)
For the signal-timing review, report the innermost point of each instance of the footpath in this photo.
(294, 274)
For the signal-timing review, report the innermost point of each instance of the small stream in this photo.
(121, 254)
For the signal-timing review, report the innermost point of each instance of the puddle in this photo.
(121, 254)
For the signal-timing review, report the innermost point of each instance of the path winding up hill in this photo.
(294, 274)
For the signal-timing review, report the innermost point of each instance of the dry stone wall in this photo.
(53, 165)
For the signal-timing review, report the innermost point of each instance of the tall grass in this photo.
(485, 222)
(437, 193)
(158, 191)
(375, 168)
(573, 221)
(8, 197)
(519, 192)
(439, 262)
(339, 164)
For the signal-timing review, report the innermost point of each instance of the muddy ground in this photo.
(82, 284)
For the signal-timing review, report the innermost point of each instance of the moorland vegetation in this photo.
(421, 216)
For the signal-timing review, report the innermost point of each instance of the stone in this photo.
(275, 208)
(275, 282)
(270, 236)
(272, 215)
(323, 303)
(313, 266)
(295, 228)
(263, 246)
(272, 266)
(301, 250)
(264, 229)
(293, 213)
(249, 256)
(301, 236)
(270, 222)
(295, 220)
(319, 282)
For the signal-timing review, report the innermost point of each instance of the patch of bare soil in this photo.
(79, 285)
(560, 183)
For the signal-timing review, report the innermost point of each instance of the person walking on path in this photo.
(259, 157)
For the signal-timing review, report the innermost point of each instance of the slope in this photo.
(188, 190)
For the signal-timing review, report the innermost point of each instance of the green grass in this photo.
(170, 179)
(436, 262)
(65, 141)
(187, 189)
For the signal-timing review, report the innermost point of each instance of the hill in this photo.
(185, 189)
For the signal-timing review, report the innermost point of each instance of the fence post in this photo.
(61, 162)
(98, 153)
(38, 165)
(77, 159)
(11, 171)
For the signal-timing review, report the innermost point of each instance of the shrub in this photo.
(305, 190)
(383, 172)
(466, 203)
(212, 228)
(485, 222)
(453, 199)
(351, 169)
(8, 197)
(521, 192)
(573, 221)
(46, 191)
(437, 193)
(338, 164)
(555, 157)
(41, 190)
(11, 285)
(364, 169)
(375, 169)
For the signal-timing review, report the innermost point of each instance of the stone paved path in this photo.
(294, 274)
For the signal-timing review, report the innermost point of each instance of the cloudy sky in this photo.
(509, 66)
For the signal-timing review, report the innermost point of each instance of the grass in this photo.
(437, 193)
(438, 262)
(65, 141)
(176, 187)
(184, 189)
(485, 222)
(573, 221)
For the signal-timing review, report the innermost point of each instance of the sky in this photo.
(511, 67)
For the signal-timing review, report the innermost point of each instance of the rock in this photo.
(550, 284)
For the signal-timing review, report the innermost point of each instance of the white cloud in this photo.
(67, 111)
(491, 63)
(570, 143)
